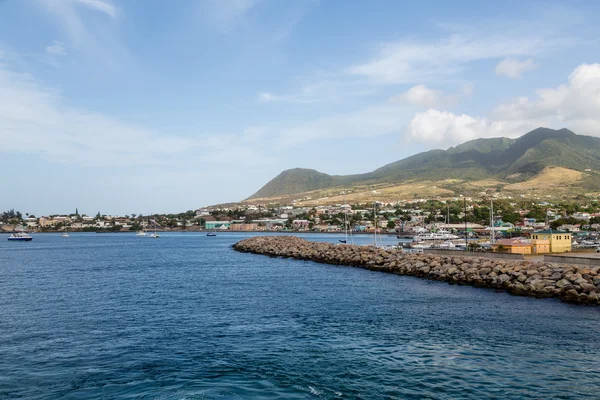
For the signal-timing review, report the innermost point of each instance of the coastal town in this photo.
(504, 225)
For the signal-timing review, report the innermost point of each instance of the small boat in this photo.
(143, 231)
(153, 234)
(20, 236)
(211, 234)
(343, 241)
(66, 232)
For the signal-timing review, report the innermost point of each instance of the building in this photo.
(217, 225)
(244, 227)
(513, 246)
(560, 241)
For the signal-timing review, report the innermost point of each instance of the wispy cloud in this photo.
(225, 14)
(89, 28)
(56, 49)
(410, 61)
(421, 95)
(375, 120)
(513, 68)
(37, 120)
(104, 6)
(441, 58)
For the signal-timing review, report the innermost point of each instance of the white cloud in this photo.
(56, 49)
(421, 95)
(513, 68)
(444, 128)
(574, 105)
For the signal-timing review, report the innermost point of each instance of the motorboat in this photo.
(20, 236)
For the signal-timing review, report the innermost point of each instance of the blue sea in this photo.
(115, 316)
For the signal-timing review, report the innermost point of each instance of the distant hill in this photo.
(503, 159)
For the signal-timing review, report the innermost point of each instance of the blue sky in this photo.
(153, 106)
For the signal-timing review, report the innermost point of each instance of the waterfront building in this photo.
(560, 241)
(218, 224)
(513, 246)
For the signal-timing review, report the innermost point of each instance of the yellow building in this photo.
(539, 246)
(560, 241)
(512, 246)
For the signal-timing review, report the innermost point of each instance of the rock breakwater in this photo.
(570, 283)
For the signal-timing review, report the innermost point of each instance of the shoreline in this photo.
(575, 284)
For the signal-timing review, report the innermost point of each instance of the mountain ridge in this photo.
(510, 160)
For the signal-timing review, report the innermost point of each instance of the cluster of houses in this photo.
(524, 235)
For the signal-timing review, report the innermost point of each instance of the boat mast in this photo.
(466, 233)
(492, 234)
(345, 221)
(375, 222)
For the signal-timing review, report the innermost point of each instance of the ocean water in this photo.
(115, 316)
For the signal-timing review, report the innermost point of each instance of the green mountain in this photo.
(512, 160)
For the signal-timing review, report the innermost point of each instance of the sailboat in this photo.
(345, 240)
(213, 233)
(143, 231)
(154, 234)
(66, 232)
(375, 222)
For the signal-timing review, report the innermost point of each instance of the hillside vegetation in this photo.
(477, 164)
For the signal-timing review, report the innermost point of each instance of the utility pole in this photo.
(466, 234)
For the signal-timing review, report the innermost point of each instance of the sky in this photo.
(126, 106)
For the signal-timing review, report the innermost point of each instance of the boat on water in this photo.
(441, 235)
(154, 234)
(213, 233)
(66, 232)
(20, 236)
(345, 239)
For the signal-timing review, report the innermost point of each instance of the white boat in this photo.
(421, 246)
(442, 235)
(66, 232)
(143, 231)
(154, 234)
(20, 236)
(448, 245)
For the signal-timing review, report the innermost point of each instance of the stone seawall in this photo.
(570, 283)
